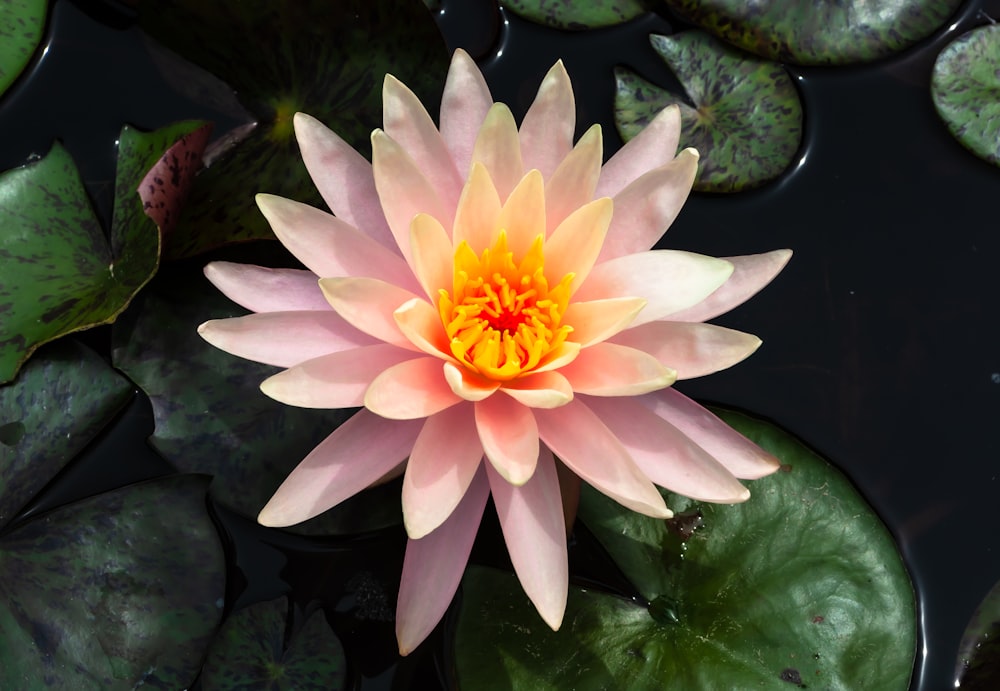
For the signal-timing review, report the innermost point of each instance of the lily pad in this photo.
(59, 273)
(210, 414)
(819, 32)
(324, 58)
(250, 653)
(801, 584)
(743, 114)
(21, 24)
(120, 590)
(56, 406)
(965, 86)
(978, 667)
(570, 15)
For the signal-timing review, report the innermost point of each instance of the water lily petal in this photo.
(433, 255)
(573, 182)
(284, 339)
(575, 244)
(523, 215)
(691, 348)
(337, 380)
(464, 105)
(665, 455)
(751, 273)
(343, 177)
(540, 390)
(433, 567)
(509, 435)
(669, 280)
(532, 521)
(498, 149)
(607, 369)
(357, 454)
(478, 209)
(653, 147)
(260, 289)
(421, 324)
(559, 357)
(598, 320)
(588, 448)
(468, 385)
(646, 208)
(444, 460)
(411, 389)
(369, 305)
(739, 455)
(547, 129)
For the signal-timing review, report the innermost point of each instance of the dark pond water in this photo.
(882, 339)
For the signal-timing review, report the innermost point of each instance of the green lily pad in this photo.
(569, 15)
(21, 24)
(324, 58)
(819, 32)
(210, 414)
(250, 653)
(800, 584)
(746, 118)
(965, 87)
(57, 405)
(59, 274)
(120, 590)
(978, 667)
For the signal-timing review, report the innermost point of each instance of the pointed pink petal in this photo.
(666, 456)
(575, 244)
(509, 435)
(464, 105)
(573, 182)
(443, 462)
(261, 289)
(585, 444)
(403, 190)
(343, 177)
(337, 380)
(411, 389)
(498, 149)
(669, 280)
(691, 349)
(560, 357)
(421, 324)
(329, 246)
(598, 320)
(655, 146)
(357, 454)
(368, 304)
(523, 216)
(739, 455)
(478, 209)
(407, 122)
(532, 521)
(468, 385)
(547, 129)
(433, 567)
(752, 272)
(540, 390)
(433, 255)
(606, 369)
(646, 208)
(283, 339)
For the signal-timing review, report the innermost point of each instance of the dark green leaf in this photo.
(58, 403)
(324, 58)
(801, 584)
(746, 119)
(965, 86)
(249, 653)
(978, 666)
(568, 14)
(120, 590)
(819, 32)
(21, 24)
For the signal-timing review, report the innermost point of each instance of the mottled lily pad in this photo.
(324, 58)
(117, 591)
(211, 416)
(59, 274)
(21, 24)
(801, 584)
(819, 32)
(250, 653)
(567, 14)
(965, 86)
(56, 406)
(743, 114)
(978, 667)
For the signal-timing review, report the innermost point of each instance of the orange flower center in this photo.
(502, 318)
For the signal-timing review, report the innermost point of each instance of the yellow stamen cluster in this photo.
(502, 318)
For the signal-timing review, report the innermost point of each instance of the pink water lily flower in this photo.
(487, 294)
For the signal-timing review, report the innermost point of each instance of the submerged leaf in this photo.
(21, 24)
(746, 118)
(978, 667)
(566, 14)
(801, 584)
